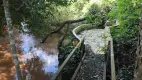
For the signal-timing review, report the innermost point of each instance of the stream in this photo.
(37, 60)
(41, 59)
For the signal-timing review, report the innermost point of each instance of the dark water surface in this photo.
(37, 60)
(42, 58)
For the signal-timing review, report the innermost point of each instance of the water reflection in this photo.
(34, 67)
(41, 59)
(50, 61)
(28, 42)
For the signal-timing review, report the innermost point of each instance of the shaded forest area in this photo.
(46, 17)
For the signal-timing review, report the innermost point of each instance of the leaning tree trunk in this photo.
(138, 64)
(11, 37)
(62, 24)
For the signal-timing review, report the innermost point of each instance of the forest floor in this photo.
(93, 64)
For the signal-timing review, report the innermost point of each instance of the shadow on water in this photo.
(36, 72)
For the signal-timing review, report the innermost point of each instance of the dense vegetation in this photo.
(37, 13)
(40, 14)
(125, 36)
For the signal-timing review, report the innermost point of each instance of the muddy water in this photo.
(41, 60)
(37, 61)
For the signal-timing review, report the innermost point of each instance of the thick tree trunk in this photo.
(138, 64)
(11, 37)
(62, 24)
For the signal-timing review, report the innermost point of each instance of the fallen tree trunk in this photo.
(62, 24)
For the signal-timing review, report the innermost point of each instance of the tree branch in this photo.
(62, 24)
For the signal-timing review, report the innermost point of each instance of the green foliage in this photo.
(93, 10)
(2, 19)
(72, 63)
(66, 49)
(103, 49)
(127, 15)
(123, 35)
(97, 16)
(127, 12)
(70, 12)
(37, 13)
(127, 71)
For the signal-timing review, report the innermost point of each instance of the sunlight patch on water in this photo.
(27, 42)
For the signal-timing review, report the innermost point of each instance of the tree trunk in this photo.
(11, 37)
(138, 64)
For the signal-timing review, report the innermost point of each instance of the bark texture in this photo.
(138, 64)
(11, 38)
